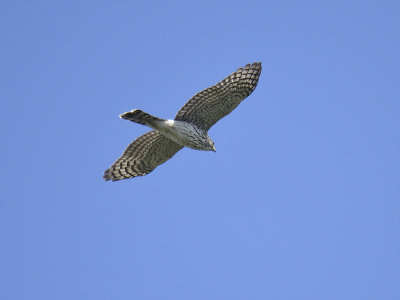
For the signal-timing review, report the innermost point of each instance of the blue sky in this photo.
(301, 200)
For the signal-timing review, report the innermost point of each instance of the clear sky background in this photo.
(301, 200)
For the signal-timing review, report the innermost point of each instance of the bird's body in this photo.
(183, 133)
(187, 135)
(188, 129)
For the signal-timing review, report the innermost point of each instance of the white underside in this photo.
(181, 133)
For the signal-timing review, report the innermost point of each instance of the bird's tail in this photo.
(140, 117)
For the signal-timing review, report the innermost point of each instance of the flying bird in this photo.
(188, 129)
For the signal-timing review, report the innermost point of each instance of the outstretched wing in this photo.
(142, 156)
(214, 103)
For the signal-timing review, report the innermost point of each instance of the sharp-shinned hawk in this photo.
(188, 129)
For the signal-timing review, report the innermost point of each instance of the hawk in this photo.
(188, 129)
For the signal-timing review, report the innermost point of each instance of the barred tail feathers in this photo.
(140, 117)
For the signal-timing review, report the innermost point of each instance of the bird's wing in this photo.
(212, 104)
(142, 156)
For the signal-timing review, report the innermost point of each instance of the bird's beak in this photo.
(214, 149)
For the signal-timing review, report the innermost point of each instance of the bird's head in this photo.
(210, 146)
